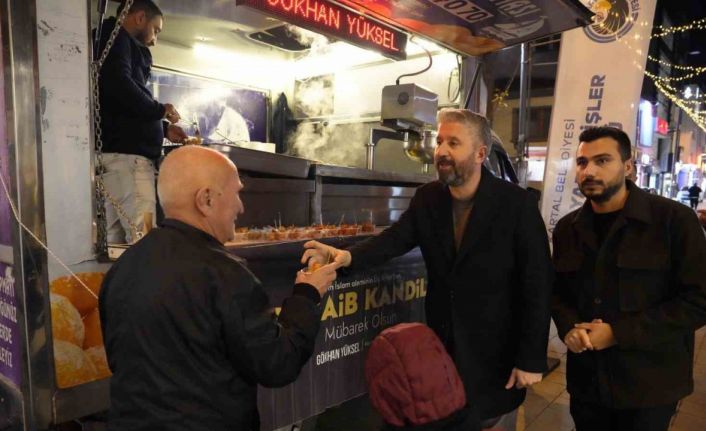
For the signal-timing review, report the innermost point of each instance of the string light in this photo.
(678, 78)
(674, 66)
(663, 84)
(699, 24)
(698, 119)
(683, 104)
(695, 101)
(499, 98)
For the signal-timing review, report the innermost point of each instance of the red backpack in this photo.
(411, 378)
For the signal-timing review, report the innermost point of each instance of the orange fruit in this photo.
(92, 325)
(72, 365)
(66, 321)
(100, 361)
(84, 300)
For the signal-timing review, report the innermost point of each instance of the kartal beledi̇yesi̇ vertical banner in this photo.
(601, 68)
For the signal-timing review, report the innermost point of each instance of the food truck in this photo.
(328, 109)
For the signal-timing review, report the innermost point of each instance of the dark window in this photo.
(540, 117)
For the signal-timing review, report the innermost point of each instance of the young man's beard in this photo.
(608, 191)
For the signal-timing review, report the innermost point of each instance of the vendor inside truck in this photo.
(132, 121)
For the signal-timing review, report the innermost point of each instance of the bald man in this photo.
(188, 329)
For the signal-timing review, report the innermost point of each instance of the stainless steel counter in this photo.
(265, 163)
(358, 174)
(295, 191)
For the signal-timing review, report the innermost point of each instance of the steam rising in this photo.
(319, 43)
(341, 144)
(337, 144)
(314, 97)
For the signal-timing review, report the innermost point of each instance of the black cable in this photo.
(459, 79)
(102, 8)
(459, 61)
(397, 82)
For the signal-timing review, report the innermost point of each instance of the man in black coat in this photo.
(132, 123)
(488, 264)
(630, 291)
(188, 329)
(694, 195)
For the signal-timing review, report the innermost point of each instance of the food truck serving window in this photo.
(335, 21)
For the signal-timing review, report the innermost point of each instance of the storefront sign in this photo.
(594, 93)
(354, 310)
(477, 27)
(333, 20)
(10, 355)
(662, 126)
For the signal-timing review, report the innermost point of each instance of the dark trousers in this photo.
(694, 202)
(595, 417)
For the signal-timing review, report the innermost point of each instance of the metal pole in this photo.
(375, 136)
(522, 122)
(370, 155)
(547, 42)
(676, 136)
(30, 261)
(474, 81)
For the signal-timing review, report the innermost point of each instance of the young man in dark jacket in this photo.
(695, 195)
(630, 292)
(188, 329)
(488, 263)
(131, 119)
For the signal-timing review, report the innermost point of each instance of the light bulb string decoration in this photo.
(698, 119)
(665, 84)
(676, 78)
(661, 31)
(675, 66)
(687, 106)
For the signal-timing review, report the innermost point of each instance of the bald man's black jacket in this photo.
(189, 334)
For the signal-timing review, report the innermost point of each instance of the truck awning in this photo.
(477, 27)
